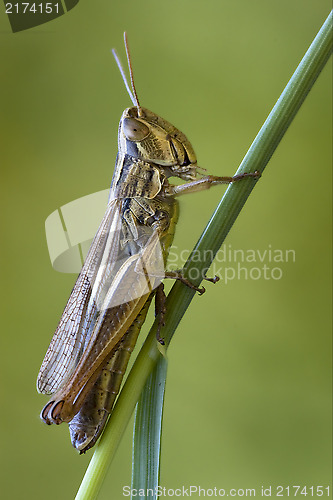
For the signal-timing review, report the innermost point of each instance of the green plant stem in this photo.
(213, 236)
(147, 431)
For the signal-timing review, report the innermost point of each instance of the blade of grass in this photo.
(213, 236)
(147, 431)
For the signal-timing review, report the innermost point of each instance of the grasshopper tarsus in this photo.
(254, 175)
(178, 275)
(213, 280)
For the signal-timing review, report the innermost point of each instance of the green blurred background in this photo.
(248, 397)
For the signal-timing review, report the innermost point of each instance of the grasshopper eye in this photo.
(134, 130)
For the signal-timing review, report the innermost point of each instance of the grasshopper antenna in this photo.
(132, 93)
(140, 113)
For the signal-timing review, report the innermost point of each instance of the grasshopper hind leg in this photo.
(88, 424)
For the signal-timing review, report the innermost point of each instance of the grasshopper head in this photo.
(148, 137)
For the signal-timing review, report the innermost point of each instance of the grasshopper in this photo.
(88, 355)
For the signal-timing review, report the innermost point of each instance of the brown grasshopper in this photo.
(88, 355)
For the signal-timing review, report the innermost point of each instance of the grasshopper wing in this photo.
(124, 265)
(75, 324)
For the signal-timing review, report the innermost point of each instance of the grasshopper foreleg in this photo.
(207, 182)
